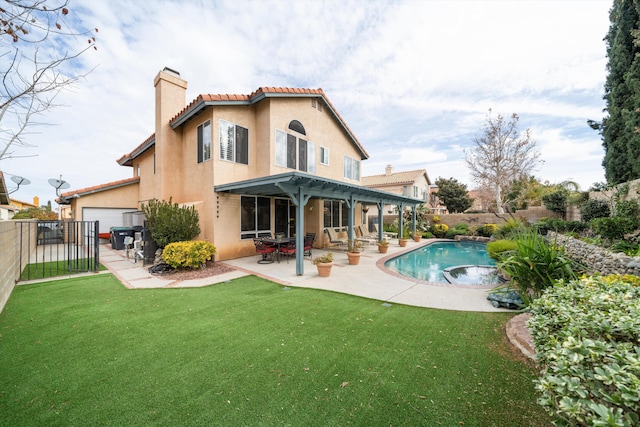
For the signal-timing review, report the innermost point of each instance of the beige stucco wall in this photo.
(10, 257)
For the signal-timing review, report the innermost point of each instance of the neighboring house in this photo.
(280, 160)
(413, 183)
(434, 203)
(14, 206)
(19, 204)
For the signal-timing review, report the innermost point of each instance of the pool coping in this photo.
(380, 265)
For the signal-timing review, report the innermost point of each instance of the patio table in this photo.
(278, 243)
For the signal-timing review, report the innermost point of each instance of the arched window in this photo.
(296, 126)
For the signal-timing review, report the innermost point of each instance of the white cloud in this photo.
(413, 79)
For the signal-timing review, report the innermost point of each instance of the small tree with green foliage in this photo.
(168, 222)
(557, 201)
(594, 208)
(454, 195)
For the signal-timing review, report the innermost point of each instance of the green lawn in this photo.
(51, 269)
(87, 351)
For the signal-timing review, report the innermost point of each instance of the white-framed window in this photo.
(295, 153)
(324, 156)
(351, 168)
(234, 142)
(204, 142)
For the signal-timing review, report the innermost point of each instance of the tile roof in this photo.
(65, 197)
(127, 159)
(395, 178)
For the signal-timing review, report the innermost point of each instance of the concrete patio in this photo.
(369, 279)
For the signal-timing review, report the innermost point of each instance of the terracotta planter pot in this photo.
(383, 248)
(403, 242)
(324, 268)
(417, 238)
(354, 258)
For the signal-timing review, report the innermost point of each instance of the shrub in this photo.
(612, 228)
(628, 209)
(510, 228)
(586, 335)
(594, 208)
(169, 223)
(439, 230)
(458, 230)
(487, 230)
(560, 226)
(535, 265)
(192, 254)
(498, 248)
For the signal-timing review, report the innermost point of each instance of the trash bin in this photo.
(117, 236)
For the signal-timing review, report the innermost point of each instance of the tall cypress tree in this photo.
(621, 128)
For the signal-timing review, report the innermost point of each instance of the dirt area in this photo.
(211, 269)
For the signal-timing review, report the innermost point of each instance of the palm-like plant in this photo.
(536, 265)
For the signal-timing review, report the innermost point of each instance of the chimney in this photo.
(388, 170)
(171, 92)
(36, 201)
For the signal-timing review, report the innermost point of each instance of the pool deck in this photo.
(368, 279)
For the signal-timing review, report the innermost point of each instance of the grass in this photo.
(50, 269)
(87, 351)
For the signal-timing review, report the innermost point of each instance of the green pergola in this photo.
(301, 187)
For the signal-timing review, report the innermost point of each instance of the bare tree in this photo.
(501, 155)
(37, 61)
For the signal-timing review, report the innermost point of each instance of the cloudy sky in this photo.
(413, 79)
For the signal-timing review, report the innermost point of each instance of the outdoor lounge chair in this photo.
(363, 237)
(334, 239)
(265, 250)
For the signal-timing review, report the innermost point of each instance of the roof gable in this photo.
(395, 178)
(196, 106)
(65, 198)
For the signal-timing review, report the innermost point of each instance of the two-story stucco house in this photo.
(279, 160)
(413, 183)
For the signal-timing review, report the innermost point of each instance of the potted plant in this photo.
(417, 236)
(402, 239)
(354, 250)
(324, 263)
(383, 246)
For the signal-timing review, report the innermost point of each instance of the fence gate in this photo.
(57, 248)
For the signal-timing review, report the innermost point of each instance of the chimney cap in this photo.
(171, 71)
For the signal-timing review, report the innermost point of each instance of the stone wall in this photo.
(597, 259)
(10, 255)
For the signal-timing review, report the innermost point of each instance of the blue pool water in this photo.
(430, 261)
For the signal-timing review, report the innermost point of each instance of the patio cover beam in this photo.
(301, 187)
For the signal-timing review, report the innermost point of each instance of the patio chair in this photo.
(334, 239)
(266, 251)
(309, 238)
(288, 250)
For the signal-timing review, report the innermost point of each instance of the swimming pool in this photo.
(429, 262)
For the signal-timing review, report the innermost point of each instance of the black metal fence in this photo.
(58, 248)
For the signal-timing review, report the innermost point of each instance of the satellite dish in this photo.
(20, 181)
(59, 184)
